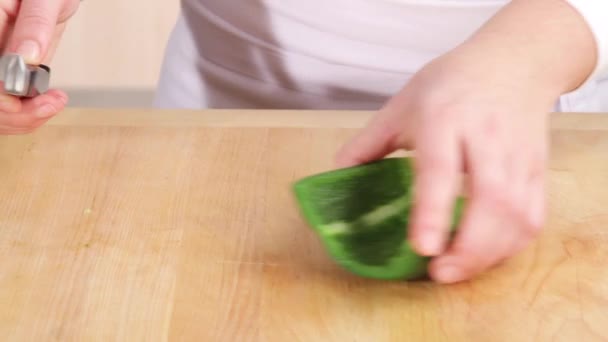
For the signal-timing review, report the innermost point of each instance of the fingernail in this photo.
(449, 274)
(46, 111)
(29, 50)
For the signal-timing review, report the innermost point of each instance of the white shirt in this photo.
(324, 54)
(595, 13)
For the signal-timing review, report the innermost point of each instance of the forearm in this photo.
(545, 42)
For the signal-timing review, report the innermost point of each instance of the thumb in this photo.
(379, 138)
(34, 29)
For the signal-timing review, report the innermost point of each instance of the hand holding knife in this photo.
(21, 79)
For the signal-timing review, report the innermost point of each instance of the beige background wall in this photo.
(112, 50)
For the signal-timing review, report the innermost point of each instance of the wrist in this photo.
(542, 43)
(505, 71)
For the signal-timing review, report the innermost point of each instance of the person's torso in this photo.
(378, 34)
(369, 46)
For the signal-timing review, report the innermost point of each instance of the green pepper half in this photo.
(361, 215)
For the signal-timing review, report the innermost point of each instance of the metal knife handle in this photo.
(21, 79)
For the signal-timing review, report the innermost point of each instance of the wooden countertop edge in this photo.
(267, 118)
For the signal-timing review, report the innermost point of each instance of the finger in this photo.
(375, 141)
(47, 104)
(486, 231)
(34, 112)
(436, 185)
(59, 30)
(487, 237)
(34, 29)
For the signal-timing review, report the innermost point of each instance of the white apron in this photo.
(318, 54)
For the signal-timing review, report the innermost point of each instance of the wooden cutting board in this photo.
(181, 226)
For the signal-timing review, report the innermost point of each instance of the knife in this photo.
(21, 79)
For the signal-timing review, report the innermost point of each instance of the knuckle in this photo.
(492, 190)
(385, 130)
(439, 110)
(491, 128)
(435, 105)
(37, 16)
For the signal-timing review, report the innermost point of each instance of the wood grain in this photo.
(122, 226)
